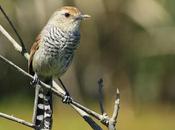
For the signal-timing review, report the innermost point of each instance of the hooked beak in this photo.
(83, 17)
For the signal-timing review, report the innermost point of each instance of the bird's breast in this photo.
(55, 54)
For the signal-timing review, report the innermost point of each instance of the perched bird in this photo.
(51, 55)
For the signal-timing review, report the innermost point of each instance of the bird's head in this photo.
(68, 18)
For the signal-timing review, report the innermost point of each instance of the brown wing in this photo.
(33, 49)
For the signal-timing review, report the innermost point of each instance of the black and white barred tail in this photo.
(43, 119)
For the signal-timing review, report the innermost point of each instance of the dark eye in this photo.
(66, 15)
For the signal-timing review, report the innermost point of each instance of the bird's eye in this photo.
(66, 15)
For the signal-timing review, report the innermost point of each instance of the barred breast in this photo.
(55, 52)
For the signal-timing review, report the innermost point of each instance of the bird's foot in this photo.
(67, 99)
(35, 80)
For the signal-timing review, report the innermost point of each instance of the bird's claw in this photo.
(67, 99)
(35, 80)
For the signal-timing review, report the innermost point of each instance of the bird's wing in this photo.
(33, 49)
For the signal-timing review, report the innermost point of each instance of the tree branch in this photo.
(13, 42)
(113, 120)
(20, 121)
(87, 118)
(14, 29)
(37, 87)
(116, 106)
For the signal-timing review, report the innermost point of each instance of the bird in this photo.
(51, 55)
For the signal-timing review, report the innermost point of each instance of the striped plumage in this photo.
(51, 55)
(56, 51)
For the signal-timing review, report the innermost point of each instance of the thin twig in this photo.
(105, 119)
(87, 110)
(14, 29)
(20, 121)
(116, 106)
(101, 97)
(87, 118)
(113, 120)
(13, 42)
(37, 87)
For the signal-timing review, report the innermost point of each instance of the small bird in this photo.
(51, 55)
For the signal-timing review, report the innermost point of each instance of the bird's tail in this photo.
(43, 112)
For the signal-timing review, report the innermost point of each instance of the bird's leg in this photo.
(67, 98)
(35, 80)
(65, 89)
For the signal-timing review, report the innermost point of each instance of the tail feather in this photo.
(44, 109)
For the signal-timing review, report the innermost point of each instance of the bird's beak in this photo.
(83, 16)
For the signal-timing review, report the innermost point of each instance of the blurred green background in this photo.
(128, 43)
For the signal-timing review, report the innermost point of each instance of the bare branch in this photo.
(20, 121)
(37, 87)
(101, 97)
(116, 106)
(87, 110)
(14, 29)
(59, 94)
(13, 42)
(87, 118)
(113, 120)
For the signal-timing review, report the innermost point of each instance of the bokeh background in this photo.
(128, 43)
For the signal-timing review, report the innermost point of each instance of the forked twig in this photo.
(113, 119)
